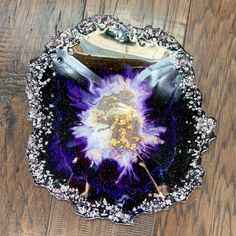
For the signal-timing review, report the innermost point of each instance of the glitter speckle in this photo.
(42, 115)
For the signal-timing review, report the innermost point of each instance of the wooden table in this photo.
(206, 28)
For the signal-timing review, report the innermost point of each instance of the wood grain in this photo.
(211, 210)
(25, 26)
(24, 208)
(211, 39)
(167, 14)
(207, 29)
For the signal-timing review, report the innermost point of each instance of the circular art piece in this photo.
(118, 127)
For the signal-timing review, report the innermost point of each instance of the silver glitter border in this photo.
(42, 124)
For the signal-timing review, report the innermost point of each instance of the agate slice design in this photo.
(118, 127)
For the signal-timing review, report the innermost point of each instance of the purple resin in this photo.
(116, 143)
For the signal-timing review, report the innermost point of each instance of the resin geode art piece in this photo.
(118, 128)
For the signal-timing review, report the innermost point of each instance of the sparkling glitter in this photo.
(43, 118)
